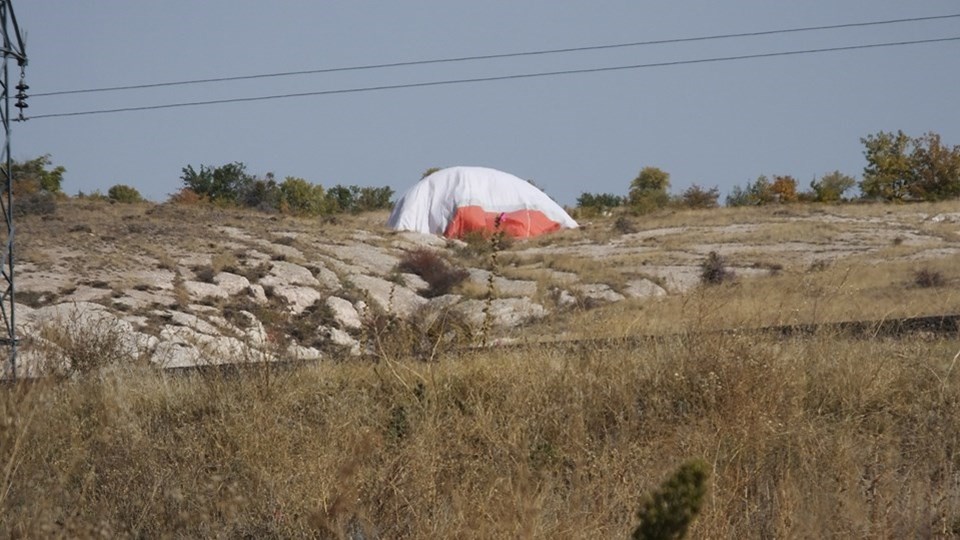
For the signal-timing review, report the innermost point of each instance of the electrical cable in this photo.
(497, 78)
(493, 56)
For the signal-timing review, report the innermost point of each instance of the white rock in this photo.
(564, 298)
(389, 296)
(85, 293)
(677, 279)
(136, 300)
(414, 282)
(190, 320)
(372, 259)
(504, 312)
(83, 320)
(175, 354)
(298, 352)
(598, 292)
(949, 218)
(156, 279)
(327, 278)
(199, 290)
(231, 283)
(503, 286)
(287, 252)
(257, 293)
(288, 273)
(249, 328)
(407, 239)
(644, 288)
(298, 298)
(340, 338)
(344, 313)
(210, 350)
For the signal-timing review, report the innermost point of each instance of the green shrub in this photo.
(302, 197)
(35, 175)
(591, 204)
(831, 187)
(668, 512)
(699, 197)
(224, 183)
(374, 198)
(124, 194)
(648, 191)
(261, 194)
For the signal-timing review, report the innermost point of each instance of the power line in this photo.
(494, 56)
(497, 78)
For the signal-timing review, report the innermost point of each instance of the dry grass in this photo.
(813, 438)
(838, 292)
(819, 436)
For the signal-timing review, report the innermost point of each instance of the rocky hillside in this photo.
(187, 285)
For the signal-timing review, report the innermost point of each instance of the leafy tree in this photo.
(224, 183)
(302, 197)
(343, 198)
(260, 193)
(124, 194)
(35, 175)
(698, 197)
(648, 191)
(760, 192)
(756, 193)
(737, 197)
(888, 171)
(599, 202)
(784, 189)
(831, 187)
(935, 169)
(650, 179)
(373, 198)
(899, 167)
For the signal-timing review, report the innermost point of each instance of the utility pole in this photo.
(13, 48)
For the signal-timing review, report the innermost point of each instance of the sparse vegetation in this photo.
(440, 274)
(926, 277)
(714, 271)
(124, 194)
(696, 196)
(499, 444)
(231, 184)
(597, 204)
(624, 225)
(811, 435)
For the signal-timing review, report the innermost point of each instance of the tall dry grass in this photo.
(814, 436)
(818, 437)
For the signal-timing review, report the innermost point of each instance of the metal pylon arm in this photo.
(12, 48)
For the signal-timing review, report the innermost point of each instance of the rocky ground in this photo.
(182, 286)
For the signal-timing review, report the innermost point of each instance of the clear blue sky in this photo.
(714, 124)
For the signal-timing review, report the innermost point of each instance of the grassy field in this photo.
(813, 436)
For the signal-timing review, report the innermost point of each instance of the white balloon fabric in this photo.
(459, 200)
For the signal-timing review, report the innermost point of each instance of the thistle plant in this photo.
(496, 245)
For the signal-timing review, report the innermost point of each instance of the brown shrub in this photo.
(441, 275)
